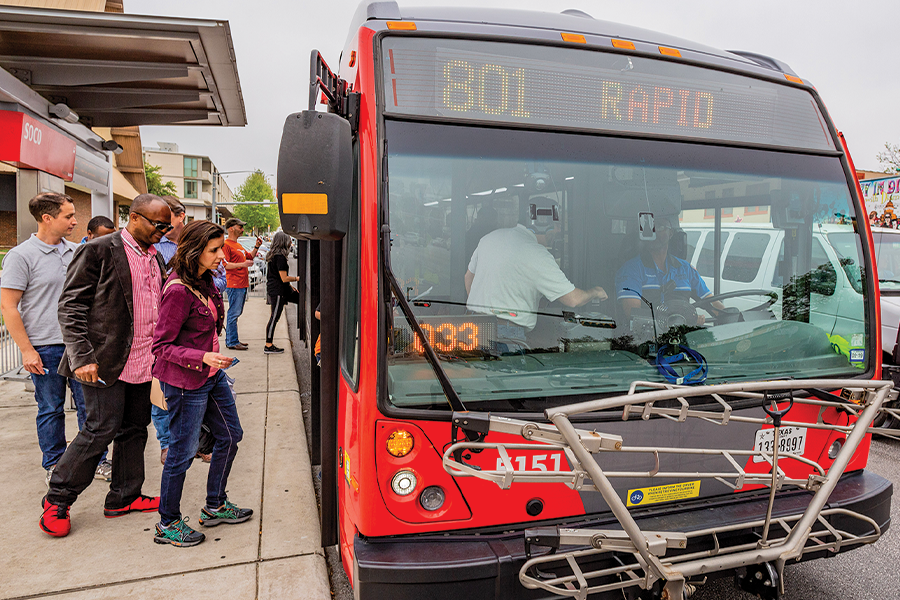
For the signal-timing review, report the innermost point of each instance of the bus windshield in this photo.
(548, 267)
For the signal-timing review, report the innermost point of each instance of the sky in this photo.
(848, 50)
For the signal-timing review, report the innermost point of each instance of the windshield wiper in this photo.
(471, 428)
(566, 315)
(888, 281)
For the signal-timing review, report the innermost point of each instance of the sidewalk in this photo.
(276, 555)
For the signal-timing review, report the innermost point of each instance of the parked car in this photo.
(259, 262)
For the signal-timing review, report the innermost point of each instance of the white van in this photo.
(887, 258)
(751, 256)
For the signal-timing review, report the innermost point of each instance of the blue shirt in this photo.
(641, 273)
(166, 248)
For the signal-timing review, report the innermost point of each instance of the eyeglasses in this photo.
(159, 225)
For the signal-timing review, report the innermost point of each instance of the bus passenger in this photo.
(191, 373)
(653, 269)
(512, 268)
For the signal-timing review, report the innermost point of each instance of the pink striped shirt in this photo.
(146, 281)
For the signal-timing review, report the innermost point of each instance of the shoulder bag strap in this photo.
(200, 297)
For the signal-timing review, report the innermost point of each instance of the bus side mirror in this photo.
(315, 176)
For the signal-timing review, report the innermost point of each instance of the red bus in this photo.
(581, 285)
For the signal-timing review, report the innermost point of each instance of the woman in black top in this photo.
(278, 285)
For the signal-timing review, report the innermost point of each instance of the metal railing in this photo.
(793, 536)
(10, 357)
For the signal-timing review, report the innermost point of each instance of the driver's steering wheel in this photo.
(706, 303)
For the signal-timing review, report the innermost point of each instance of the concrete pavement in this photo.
(275, 555)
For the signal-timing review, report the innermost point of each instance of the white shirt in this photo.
(512, 271)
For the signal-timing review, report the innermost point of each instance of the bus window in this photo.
(706, 262)
(745, 255)
(691, 239)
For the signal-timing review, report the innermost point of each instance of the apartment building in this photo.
(193, 176)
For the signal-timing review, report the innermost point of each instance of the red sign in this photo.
(29, 144)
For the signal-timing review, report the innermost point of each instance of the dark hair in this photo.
(281, 245)
(175, 205)
(98, 222)
(48, 203)
(191, 244)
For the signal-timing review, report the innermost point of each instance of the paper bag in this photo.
(156, 395)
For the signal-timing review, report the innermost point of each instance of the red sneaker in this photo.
(55, 520)
(141, 504)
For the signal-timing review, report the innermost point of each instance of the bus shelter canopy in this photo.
(117, 70)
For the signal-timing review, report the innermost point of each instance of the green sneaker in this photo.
(178, 534)
(227, 513)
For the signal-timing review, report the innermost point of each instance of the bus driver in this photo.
(659, 276)
(511, 269)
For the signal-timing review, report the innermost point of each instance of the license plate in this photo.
(791, 441)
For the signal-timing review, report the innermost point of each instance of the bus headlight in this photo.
(432, 498)
(404, 483)
(400, 443)
(835, 449)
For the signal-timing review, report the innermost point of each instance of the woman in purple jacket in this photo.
(190, 370)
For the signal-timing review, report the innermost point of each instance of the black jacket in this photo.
(96, 308)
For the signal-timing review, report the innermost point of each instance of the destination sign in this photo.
(579, 88)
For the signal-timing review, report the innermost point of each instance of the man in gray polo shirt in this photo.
(33, 276)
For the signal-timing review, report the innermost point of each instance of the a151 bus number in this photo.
(539, 462)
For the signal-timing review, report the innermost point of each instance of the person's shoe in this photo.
(204, 457)
(49, 475)
(141, 504)
(238, 346)
(227, 513)
(273, 349)
(104, 471)
(178, 534)
(55, 519)
(163, 454)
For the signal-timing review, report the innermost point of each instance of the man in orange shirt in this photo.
(237, 263)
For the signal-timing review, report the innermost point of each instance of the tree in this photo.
(890, 158)
(256, 188)
(155, 183)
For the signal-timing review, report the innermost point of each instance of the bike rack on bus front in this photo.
(584, 448)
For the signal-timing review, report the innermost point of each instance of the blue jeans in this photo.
(213, 404)
(50, 394)
(160, 418)
(236, 298)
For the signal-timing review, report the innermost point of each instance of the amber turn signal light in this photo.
(400, 443)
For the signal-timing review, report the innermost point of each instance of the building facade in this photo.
(196, 180)
(77, 79)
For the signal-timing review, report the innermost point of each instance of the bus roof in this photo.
(505, 21)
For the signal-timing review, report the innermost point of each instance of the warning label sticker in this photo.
(664, 493)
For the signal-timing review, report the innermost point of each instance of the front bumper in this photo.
(486, 566)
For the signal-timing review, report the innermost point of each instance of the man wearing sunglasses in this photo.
(107, 313)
